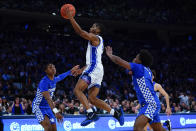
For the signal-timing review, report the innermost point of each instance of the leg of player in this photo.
(46, 124)
(54, 127)
(157, 127)
(145, 128)
(140, 123)
(78, 91)
(92, 96)
(148, 125)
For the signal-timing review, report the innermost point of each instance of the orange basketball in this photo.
(71, 8)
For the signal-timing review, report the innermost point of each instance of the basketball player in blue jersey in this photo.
(92, 73)
(142, 80)
(159, 90)
(42, 104)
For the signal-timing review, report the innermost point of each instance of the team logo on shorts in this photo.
(14, 126)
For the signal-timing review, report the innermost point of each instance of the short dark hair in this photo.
(101, 27)
(146, 57)
(46, 66)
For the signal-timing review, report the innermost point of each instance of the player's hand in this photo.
(108, 50)
(168, 111)
(75, 70)
(59, 117)
(69, 13)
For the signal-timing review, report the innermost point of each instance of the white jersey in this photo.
(94, 65)
(94, 53)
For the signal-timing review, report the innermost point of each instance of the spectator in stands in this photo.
(17, 107)
(193, 106)
(72, 109)
(81, 109)
(62, 108)
(184, 99)
(5, 105)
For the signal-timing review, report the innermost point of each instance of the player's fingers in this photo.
(58, 120)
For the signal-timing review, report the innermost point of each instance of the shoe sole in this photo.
(97, 118)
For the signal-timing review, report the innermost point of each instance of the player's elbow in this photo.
(166, 96)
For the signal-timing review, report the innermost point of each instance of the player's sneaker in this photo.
(168, 124)
(90, 118)
(119, 115)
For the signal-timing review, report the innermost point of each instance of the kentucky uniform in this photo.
(142, 80)
(157, 92)
(40, 105)
(93, 74)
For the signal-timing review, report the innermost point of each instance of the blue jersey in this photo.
(46, 85)
(157, 92)
(142, 81)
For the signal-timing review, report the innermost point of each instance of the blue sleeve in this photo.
(62, 76)
(137, 69)
(43, 85)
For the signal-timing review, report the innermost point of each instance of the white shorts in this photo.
(93, 75)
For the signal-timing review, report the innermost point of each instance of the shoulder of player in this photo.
(44, 80)
(157, 86)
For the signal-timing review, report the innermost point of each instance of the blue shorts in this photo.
(150, 111)
(40, 113)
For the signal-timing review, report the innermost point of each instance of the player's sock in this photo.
(112, 112)
(89, 110)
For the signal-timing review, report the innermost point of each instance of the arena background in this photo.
(32, 33)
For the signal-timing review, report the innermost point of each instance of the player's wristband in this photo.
(55, 110)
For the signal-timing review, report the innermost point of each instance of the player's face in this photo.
(137, 60)
(51, 70)
(17, 100)
(152, 77)
(94, 29)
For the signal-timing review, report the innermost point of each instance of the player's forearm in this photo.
(50, 103)
(76, 27)
(167, 101)
(116, 59)
(64, 75)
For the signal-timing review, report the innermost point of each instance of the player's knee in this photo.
(76, 90)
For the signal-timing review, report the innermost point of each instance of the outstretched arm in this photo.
(70, 72)
(159, 88)
(88, 36)
(116, 59)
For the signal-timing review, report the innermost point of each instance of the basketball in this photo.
(63, 10)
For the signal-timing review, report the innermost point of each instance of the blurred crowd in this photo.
(23, 56)
(143, 11)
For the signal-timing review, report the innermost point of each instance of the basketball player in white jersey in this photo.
(92, 73)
